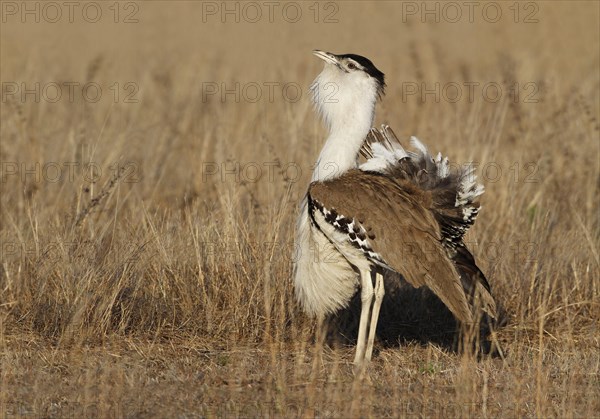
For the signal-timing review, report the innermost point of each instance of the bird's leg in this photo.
(379, 293)
(366, 297)
(320, 334)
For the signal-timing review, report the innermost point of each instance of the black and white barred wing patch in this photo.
(351, 230)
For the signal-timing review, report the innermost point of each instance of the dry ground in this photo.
(147, 236)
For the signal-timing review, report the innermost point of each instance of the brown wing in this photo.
(400, 229)
(455, 203)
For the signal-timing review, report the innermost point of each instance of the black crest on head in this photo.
(370, 69)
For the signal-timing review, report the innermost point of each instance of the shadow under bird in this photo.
(400, 211)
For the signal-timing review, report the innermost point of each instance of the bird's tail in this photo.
(454, 188)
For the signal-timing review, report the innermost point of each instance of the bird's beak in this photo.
(327, 57)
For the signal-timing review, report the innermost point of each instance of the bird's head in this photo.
(347, 88)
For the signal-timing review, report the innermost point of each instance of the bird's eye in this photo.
(352, 66)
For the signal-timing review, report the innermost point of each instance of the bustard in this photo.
(400, 211)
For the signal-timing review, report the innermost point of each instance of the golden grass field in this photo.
(147, 230)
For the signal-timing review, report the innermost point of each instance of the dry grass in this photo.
(161, 289)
